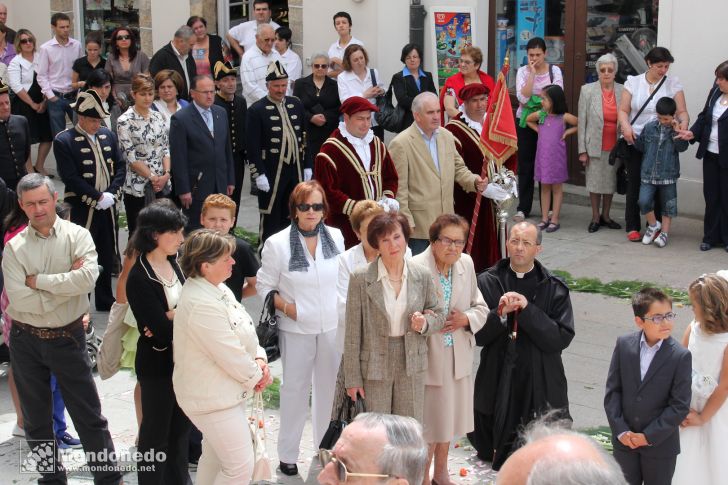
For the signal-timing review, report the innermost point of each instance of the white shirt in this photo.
(396, 305)
(349, 261)
(639, 88)
(477, 126)
(310, 290)
(253, 69)
(352, 85)
(166, 113)
(20, 73)
(647, 353)
(431, 144)
(293, 66)
(718, 111)
(337, 50)
(361, 146)
(183, 62)
(244, 33)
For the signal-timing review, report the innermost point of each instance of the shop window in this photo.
(240, 11)
(106, 15)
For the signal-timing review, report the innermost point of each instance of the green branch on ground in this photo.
(250, 237)
(620, 288)
(602, 435)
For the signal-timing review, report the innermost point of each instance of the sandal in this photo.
(542, 225)
(552, 227)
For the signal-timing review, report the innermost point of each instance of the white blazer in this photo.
(313, 291)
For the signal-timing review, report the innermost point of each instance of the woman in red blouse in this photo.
(471, 59)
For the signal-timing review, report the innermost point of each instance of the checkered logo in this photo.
(38, 457)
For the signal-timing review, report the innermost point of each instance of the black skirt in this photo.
(39, 123)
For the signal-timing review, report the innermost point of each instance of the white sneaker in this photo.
(18, 431)
(651, 233)
(519, 216)
(661, 240)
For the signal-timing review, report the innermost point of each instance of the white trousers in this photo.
(307, 360)
(227, 449)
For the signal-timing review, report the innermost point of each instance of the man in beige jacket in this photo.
(428, 165)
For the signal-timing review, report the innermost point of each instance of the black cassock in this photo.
(538, 381)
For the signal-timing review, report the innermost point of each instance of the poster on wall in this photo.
(451, 30)
(530, 23)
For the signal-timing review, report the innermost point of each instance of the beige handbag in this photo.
(109, 357)
(261, 460)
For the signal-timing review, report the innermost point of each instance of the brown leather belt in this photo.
(45, 333)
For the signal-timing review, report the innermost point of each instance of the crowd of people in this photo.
(169, 138)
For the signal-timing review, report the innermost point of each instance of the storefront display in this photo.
(452, 30)
(107, 15)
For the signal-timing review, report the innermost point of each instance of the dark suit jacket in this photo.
(326, 103)
(405, 90)
(703, 124)
(148, 303)
(655, 405)
(214, 53)
(201, 164)
(165, 58)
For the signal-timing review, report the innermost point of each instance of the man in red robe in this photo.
(466, 127)
(354, 165)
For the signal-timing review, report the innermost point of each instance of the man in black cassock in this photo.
(517, 381)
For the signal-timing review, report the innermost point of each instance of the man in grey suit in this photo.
(202, 157)
(648, 392)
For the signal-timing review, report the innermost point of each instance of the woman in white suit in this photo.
(448, 382)
(218, 362)
(597, 132)
(301, 264)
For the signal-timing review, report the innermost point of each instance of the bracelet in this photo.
(285, 305)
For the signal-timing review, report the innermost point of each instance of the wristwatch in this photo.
(167, 172)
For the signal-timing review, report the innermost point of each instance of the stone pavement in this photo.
(606, 255)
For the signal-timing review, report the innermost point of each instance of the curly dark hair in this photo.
(133, 48)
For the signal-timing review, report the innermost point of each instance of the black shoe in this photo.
(593, 226)
(704, 246)
(289, 469)
(610, 223)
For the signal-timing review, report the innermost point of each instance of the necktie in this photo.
(208, 120)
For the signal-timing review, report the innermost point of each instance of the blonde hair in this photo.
(142, 83)
(364, 209)
(204, 246)
(710, 293)
(219, 201)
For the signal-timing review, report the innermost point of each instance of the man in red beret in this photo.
(354, 165)
(466, 127)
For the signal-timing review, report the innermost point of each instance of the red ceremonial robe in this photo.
(486, 247)
(345, 181)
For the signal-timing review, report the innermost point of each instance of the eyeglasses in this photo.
(320, 66)
(412, 58)
(268, 40)
(518, 242)
(306, 207)
(605, 70)
(327, 456)
(466, 61)
(204, 92)
(659, 318)
(26, 41)
(446, 241)
(123, 37)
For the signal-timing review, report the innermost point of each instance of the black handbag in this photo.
(389, 117)
(267, 329)
(348, 411)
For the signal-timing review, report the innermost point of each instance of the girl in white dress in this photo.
(704, 433)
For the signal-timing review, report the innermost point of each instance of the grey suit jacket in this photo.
(367, 324)
(655, 405)
(591, 117)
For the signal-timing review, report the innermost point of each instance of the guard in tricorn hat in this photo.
(93, 171)
(226, 78)
(276, 150)
(14, 141)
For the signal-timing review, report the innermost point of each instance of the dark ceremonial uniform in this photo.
(276, 148)
(14, 149)
(236, 110)
(89, 166)
(346, 180)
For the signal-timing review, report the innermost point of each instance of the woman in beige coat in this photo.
(597, 131)
(448, 382)
(391, 307)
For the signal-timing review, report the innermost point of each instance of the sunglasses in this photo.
(26, 41)
(307, 207)
(606, 70)
(327, 456)
(123, 37)
(320, 66)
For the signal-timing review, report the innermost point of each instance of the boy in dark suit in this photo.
(648, 392)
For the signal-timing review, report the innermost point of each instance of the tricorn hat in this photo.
(3, 87)
(223, 69)
(355, 104)
(471, 90)
(88, 103)
(276, 71)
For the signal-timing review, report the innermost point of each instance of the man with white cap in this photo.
(354, 165)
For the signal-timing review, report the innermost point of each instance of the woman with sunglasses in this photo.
(29, 100)
(125, 61)
(597, 131)
(320, 97)
(301, 264)
(448, 410)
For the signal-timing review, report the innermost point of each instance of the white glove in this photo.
(261, 181)
(307, 174)
(389, 204)
(106, 201)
